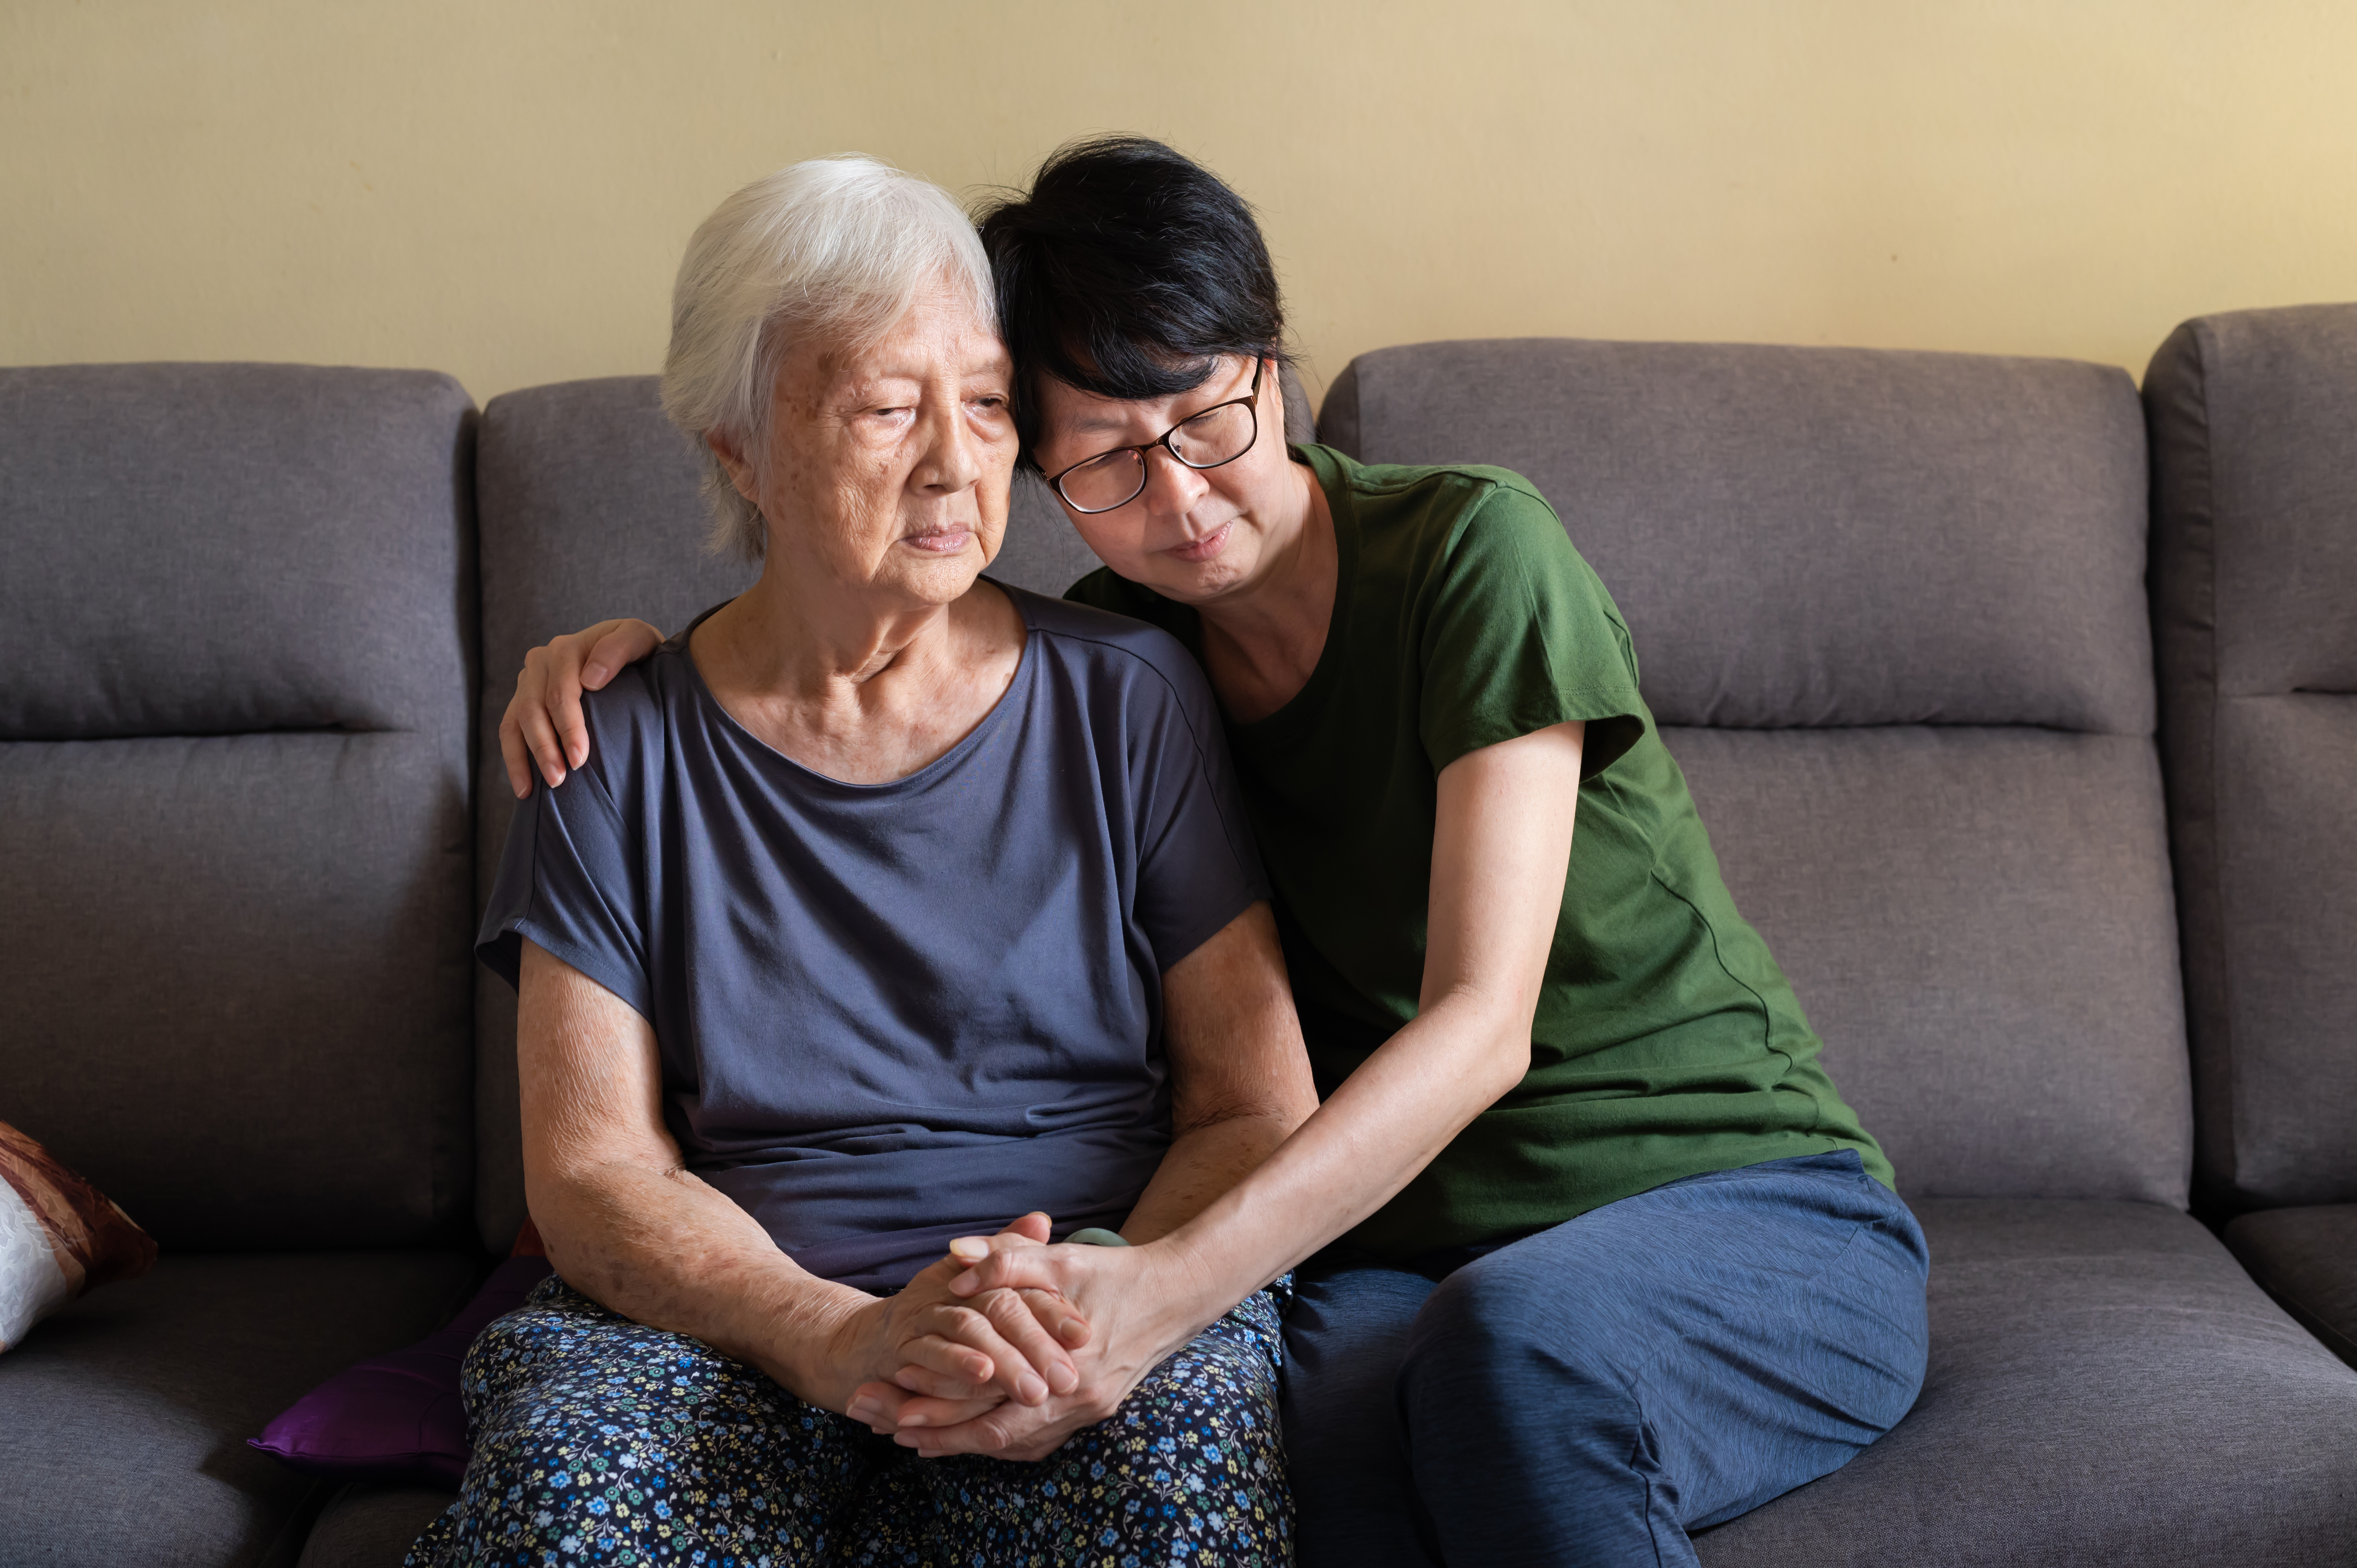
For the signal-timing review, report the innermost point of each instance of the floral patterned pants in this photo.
(600, 1440)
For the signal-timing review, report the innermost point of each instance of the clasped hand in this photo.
(1009, 1346)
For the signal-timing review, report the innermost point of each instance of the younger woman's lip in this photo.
(1203, 549)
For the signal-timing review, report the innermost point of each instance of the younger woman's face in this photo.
(1191, 534)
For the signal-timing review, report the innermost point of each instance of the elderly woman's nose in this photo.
(952, 457)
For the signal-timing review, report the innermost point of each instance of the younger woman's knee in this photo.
(1474, 1335)
(1506, 1329)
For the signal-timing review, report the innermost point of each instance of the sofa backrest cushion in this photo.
(590, 509)
(236, 614)
(1816, 537)
(1888, 609)
(2254, 419)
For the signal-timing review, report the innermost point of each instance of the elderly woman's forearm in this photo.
(1202, 1164)
(623, 1221)
(1240, 1079)
(663, 1248)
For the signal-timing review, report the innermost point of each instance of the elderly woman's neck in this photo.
(860, 689)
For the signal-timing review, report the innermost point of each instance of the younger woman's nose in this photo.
(1172, 488)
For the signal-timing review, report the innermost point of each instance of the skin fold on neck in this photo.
(856, 693)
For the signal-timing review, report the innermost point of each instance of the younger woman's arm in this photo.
(1239, 1084)
(1501, 850)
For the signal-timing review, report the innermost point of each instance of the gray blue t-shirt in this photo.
(891, 1014)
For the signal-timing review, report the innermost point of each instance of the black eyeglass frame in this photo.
(1251, 401)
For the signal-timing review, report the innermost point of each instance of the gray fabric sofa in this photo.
(237, 628)
(2255, 606)
(1893, 615)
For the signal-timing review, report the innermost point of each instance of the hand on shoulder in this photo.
(544, 724)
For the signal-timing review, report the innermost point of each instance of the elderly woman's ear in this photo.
(732, 459)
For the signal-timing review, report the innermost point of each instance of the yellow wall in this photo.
(501, 189)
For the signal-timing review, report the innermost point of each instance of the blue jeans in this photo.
(1591, 1393)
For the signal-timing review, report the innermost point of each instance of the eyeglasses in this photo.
(1219, 434)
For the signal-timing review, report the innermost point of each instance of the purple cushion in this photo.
(398, 1417)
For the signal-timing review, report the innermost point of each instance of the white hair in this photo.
(833, 248)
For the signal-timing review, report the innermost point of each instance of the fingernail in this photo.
(912, 1419)
(863, 1410)
(1073, 1331)
(1033, 1391)
(1063, 1380)
(591, 674)
(972, 1249)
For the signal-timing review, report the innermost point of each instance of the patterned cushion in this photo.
(59, 1236)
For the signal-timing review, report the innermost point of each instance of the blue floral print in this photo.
(598, 1440)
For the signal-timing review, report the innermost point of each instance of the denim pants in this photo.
(1592, 1393)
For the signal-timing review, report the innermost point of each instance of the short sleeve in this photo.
(1519, 635)
(566, 882)
(1198, 868)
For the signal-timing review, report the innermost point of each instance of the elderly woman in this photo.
(1607, 1259)
(894, 905)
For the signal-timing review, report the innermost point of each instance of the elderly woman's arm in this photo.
(1239, 1078)
(627, 1225)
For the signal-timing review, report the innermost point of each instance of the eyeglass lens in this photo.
(1214, 437)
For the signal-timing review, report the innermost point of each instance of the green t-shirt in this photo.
(1666, 1043)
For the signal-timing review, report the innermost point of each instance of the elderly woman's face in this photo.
(887, 469)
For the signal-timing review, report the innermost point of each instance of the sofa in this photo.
(2022, 710)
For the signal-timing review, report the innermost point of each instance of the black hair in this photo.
(1127, 270)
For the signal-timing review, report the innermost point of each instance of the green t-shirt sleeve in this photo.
(1519, 635)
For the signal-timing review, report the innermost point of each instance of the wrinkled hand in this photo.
(966, 1354)
(1115, 1287)
(543, 721)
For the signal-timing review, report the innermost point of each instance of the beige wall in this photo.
(501, 189)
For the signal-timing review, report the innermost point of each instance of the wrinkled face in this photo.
(1192, 534)
(885, 472)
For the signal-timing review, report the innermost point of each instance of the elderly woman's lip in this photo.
(948, 541)
(1203, 549)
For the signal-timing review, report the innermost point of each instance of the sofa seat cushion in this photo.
(2106, 1386)
(2307, 1258)
(124, 1419)
(371, 1526)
